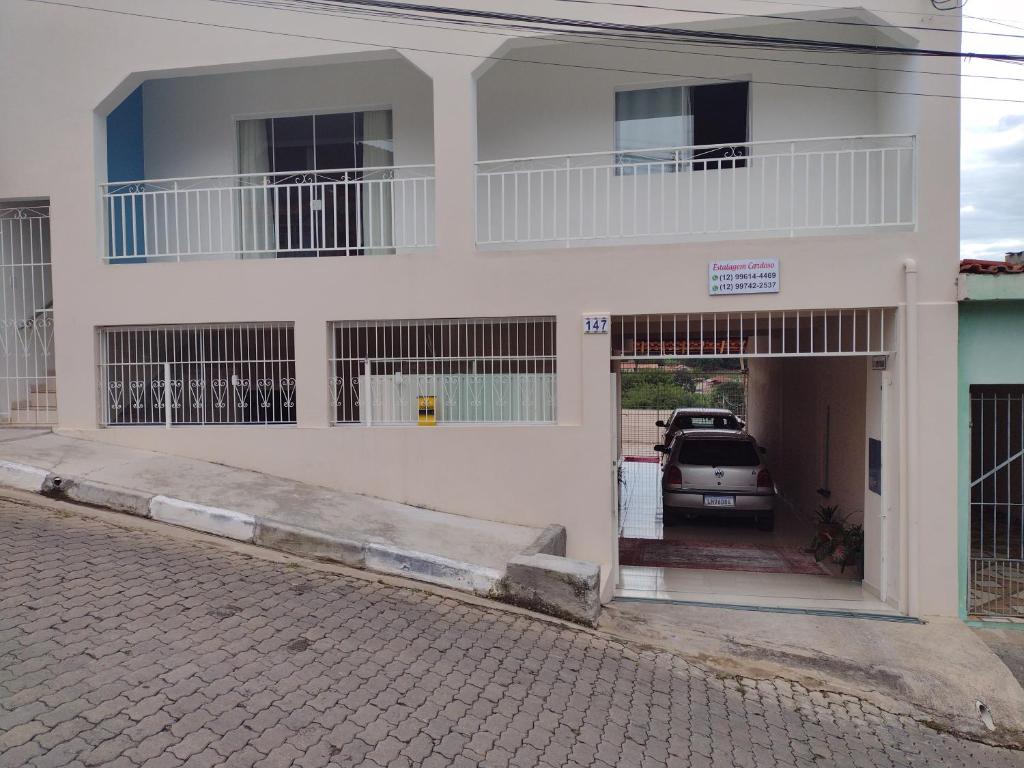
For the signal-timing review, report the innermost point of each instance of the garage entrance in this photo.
(750, 457)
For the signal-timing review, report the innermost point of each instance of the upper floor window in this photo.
(315, 210)
(660, 130)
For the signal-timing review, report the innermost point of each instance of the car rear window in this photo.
(687, 421)
(718, 453)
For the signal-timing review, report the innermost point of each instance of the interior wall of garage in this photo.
(790, 403)
(787, 401)
(794, 406)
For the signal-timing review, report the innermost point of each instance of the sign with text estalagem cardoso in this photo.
(728, 278)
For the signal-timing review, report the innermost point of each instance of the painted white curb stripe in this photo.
(22, 476)
(198, 517)
(432, 568)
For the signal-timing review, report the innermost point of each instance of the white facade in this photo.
(460, 97)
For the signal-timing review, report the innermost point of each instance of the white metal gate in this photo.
(996, 575)
(28, 384)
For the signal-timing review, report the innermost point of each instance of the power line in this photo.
(779, 17)
(583, 38)
(632, 32)
(662, 32)
(461, 54)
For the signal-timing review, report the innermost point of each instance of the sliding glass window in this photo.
(316, 185)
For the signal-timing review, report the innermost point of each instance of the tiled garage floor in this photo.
(641, 517)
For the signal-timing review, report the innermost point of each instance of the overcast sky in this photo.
(992, 186)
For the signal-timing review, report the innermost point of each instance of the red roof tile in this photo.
(983, 267)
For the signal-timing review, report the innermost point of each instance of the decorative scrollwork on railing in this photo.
(115, 391)
(137, 393)
(197, 393)
(264, 391)
(25, 212)
(241, 389)
(475, 391)
(158, 387)
(42, 330)
(342, 386)
(288, 392)
(176, 392)
(219, 388)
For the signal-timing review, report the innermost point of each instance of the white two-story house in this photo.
(283, 238)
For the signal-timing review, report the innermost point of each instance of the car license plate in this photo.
(719, 501)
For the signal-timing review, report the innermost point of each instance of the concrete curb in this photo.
(555, 585)
(295, 540)
(199, 517)
(22, 476)
(97, 494)
(552, 541)
(272, 534)
(456, 574)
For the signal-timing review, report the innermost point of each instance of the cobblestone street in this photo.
(124, 646)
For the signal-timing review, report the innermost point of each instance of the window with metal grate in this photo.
(478, 370)
(198, 374)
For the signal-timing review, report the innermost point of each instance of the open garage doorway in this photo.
(749, 464)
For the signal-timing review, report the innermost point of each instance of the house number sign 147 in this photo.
(727, 278)
(596, 323)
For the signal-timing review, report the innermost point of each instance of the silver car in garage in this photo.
(717, 473)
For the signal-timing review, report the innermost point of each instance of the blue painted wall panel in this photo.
(126, 161)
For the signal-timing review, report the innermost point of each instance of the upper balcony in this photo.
(331, 160)
(587, 147)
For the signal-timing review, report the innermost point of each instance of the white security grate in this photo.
(996, 577)
(795, 333)
(477, 370)
(198, 374)
(28, 385)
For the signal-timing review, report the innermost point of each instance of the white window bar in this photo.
(28, 385)
(478, 370)
(996, 501)
(819, 332)
(341, 212)
(599, 197)
(178, 375)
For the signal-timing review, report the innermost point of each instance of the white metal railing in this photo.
(240, 373)
(477, 370)
(754, 189)
(772, 333)
(28, 384)
(270, 215)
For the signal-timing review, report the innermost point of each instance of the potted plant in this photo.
(850, 549)
(830, 521)
(829, 533)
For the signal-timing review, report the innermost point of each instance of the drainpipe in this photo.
(909, 511)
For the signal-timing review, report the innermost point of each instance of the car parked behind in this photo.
(683, 419)
(718, 473)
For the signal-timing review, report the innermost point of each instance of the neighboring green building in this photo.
(991, 439)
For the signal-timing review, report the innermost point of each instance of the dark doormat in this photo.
(658, 553)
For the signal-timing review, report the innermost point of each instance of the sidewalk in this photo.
(450, 550)
(934, 671)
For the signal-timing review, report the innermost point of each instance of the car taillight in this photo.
(673, 475)
(764, 480)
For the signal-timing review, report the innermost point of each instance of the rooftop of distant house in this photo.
(1014, 264)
